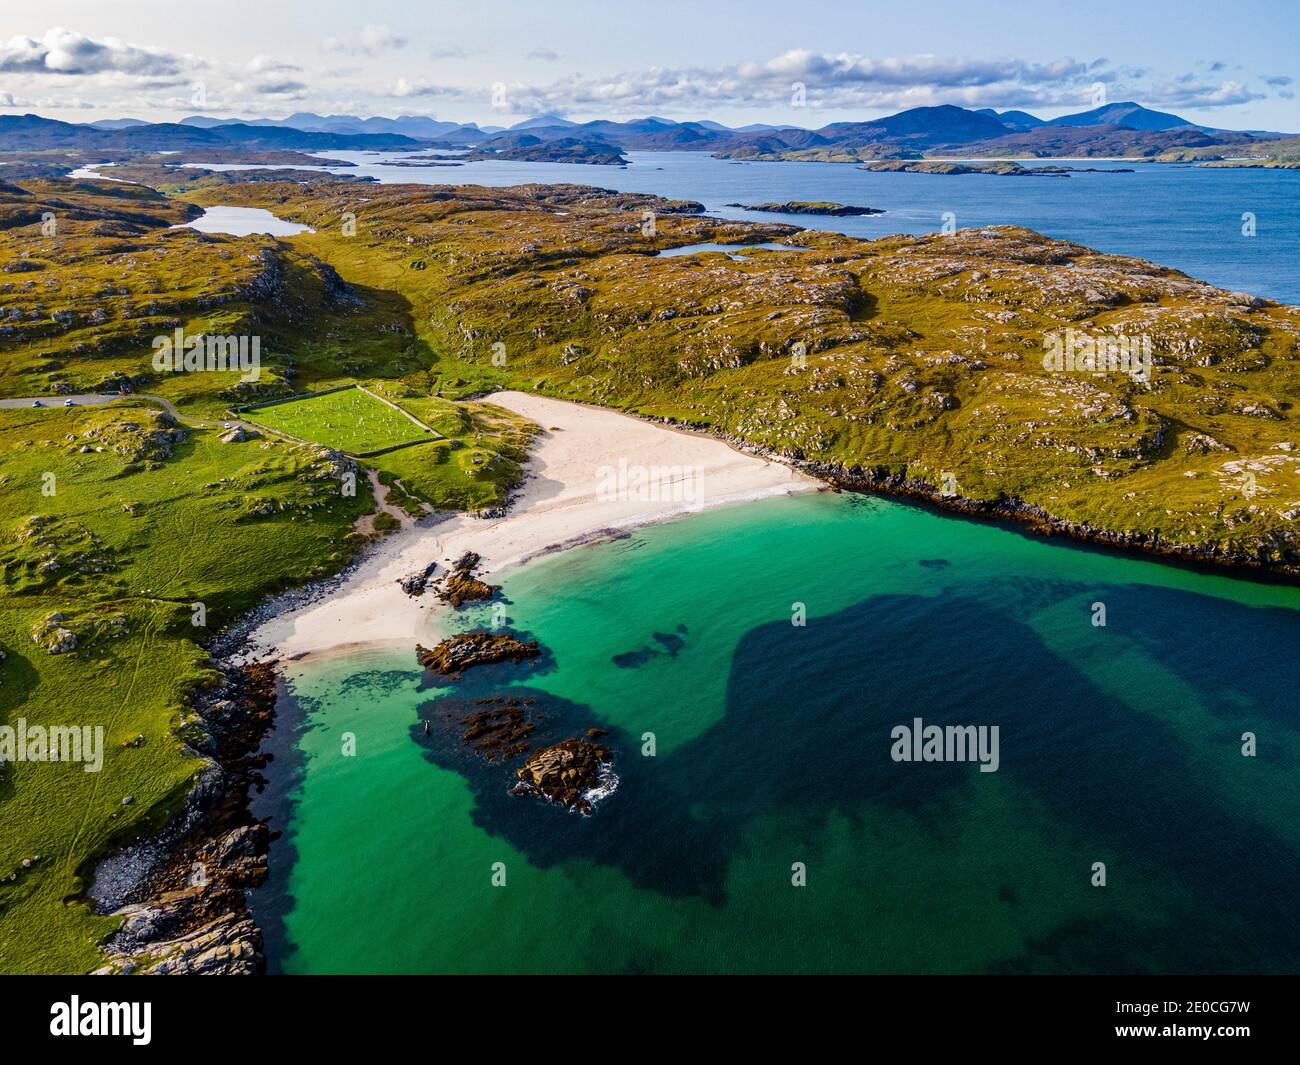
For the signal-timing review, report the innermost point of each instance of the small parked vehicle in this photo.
(67, 403)
(36, 403)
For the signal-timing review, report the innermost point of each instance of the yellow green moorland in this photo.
(904, 358)
(907, 362)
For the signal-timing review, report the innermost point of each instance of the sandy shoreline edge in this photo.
(566, 501)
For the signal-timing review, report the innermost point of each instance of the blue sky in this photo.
(496, 61)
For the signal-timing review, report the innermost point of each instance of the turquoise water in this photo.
(1185, 217)
(1119, 744)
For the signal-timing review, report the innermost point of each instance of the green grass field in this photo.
(351, 420)
(130, 536)
(473, 469)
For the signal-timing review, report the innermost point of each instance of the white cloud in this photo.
(296, 90)
(847, 82)
(840, 81)
(929, 70)
(61, 51)
(403, 89)
(370, 40)
(1185, 93)
(267, 64)
(108, 74)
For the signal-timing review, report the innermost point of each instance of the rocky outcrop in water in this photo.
(572, 773)
(499, 731)
(478, 648)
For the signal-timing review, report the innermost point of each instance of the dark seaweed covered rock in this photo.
(500, 730)
(541, 738)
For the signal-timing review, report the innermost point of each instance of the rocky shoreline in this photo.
(182, 895)
(880, 481)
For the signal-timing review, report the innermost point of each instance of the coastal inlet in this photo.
(1118, 744)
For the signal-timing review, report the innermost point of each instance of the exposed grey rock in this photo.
(228, 946)
(238, 435)
(413, 584)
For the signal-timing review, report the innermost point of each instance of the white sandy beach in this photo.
(566, 500)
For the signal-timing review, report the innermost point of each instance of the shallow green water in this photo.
(1118, 744)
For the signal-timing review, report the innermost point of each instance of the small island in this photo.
(1252, 164)
(424, 161)
(562, 150)
(1002, 168)
(821, 207)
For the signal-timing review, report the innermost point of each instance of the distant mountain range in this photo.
(1117, 129)
(1125, 128)
(33, 133)
(542, 120)
(417, 126)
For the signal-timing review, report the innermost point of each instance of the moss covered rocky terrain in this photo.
(908, 364)
(911, 363)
